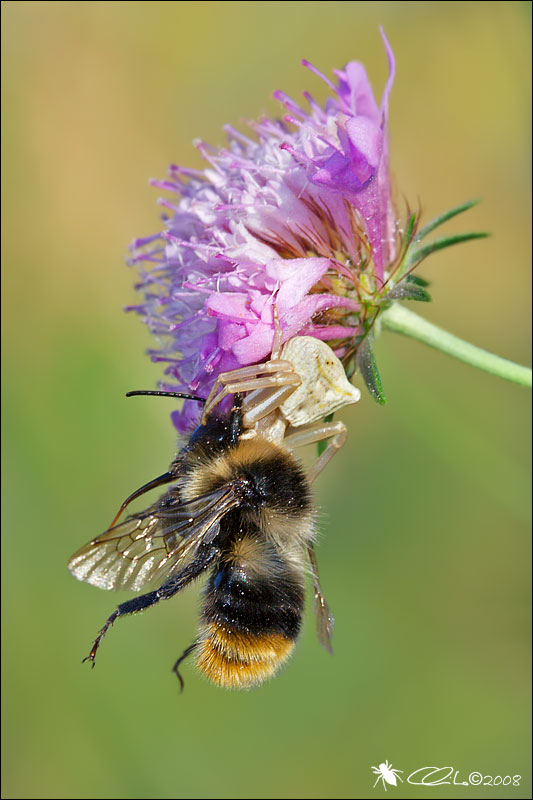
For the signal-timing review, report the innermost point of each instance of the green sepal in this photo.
(418, 254)
(418, 280)
(406, 290)
(442, 218)
(369, 371)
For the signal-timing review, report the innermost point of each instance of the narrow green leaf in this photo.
(418, 293)
(410, 291)
(439, 244)
(369, 371)
(453, 212)
(409, 231)
(418, 280)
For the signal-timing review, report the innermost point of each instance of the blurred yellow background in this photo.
(424, 548)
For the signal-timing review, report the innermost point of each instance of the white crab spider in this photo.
(288, 397)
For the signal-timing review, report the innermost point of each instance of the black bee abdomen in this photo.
(251, 603)
(252, 613)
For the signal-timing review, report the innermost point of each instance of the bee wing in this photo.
(324, 621)
(324, 617)
(151, 545)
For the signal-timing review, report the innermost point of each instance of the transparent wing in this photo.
(324, 622)
(153, 544)
(324, 617)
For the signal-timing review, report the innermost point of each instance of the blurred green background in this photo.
(424, 548)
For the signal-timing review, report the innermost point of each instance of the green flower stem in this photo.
(401, 320)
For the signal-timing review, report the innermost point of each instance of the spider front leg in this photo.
(336, 431)
(270, 375)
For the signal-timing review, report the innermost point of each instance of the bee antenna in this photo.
(180, 395)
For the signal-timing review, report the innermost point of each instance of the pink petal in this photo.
(255, 347)
(232, 305)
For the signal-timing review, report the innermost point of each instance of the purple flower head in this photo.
(298, 217)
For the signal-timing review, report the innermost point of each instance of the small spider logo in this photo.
(386, 774)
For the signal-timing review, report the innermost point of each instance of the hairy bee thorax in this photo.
(273, 489)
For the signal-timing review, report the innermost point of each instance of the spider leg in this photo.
(263, 401)
(336, 431)
(245, 379)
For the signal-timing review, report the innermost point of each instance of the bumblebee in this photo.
(240, 509)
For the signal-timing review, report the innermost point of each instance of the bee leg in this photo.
(183, 656)
(168, 589)
(129, 607)
(159, 481)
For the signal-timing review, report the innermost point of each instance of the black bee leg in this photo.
(173, 585)
(168, 477)
(183, 656)
(130, 607)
